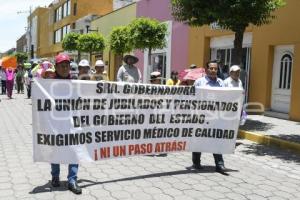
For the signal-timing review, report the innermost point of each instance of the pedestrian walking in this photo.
(84, 68)
(27, 81)
(3, 80)
(10, 76)
(99, 74)
(234, 79)
(129, 72)
(209, 80)
(20, 79)
(62, 71)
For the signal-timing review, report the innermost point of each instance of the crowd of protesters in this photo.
(65, 68)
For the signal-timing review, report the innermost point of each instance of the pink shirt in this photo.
(9, 75)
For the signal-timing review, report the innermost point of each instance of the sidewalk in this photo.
(272, 131)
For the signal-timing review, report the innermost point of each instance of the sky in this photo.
(12, 24)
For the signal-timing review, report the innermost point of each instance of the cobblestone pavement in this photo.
(280, 128)
(256, 172)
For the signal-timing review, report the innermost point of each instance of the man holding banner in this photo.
(210, 80)
(62, 71)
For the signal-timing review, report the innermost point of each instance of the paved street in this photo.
(256, 172)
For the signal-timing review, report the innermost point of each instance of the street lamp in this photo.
(90, 30)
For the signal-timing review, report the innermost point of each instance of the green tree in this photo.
(234, 15)
(21, 57)
(146, 33)
(119, 40)
(70, 42)
(91, 42)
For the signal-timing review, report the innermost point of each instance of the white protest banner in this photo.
(82, 121)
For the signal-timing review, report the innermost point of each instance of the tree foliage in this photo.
(91, 42)
(70, 41)
(119, 40)
(146, 33)
(234, 15)
(21, 57)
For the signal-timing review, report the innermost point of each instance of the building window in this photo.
(58, 14)
(68, 28)
(57, 36)
(158, 63)
(68, 7)
(65, 10)
(75, 9)
(65, 30)
(285, 72)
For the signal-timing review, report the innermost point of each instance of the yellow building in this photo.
(60, 18)
(35, 22)
(105, 24)
(271, 59)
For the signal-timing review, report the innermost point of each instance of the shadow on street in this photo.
(48, 188)
(87, 183)
(255, 125)
(262, 150)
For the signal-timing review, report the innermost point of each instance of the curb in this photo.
(269, 141)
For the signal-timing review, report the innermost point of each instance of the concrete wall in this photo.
(160, 10)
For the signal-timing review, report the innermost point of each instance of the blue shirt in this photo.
(208, 82)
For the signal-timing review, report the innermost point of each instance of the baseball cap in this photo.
(99, 63)
(234, 68)
(84, 63)
(62, 57)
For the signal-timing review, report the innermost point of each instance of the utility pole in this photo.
(30, 46)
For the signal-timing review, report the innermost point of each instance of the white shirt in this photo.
(130, 74)
(2, 75)
(229, 82)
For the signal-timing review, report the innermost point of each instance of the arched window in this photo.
(286, 64)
